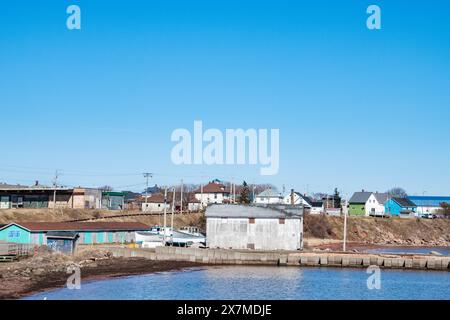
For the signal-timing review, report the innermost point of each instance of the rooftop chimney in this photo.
(292, 196)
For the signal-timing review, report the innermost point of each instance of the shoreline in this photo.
(45, 272)
(20, 287)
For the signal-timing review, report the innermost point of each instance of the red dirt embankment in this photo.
(49, 215)
(382, 231)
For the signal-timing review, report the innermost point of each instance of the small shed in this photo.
(62, 241)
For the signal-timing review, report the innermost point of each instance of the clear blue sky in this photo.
(355, 108)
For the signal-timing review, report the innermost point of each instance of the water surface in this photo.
(263, 282)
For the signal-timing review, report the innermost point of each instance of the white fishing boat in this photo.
(156, 235)
(184, 239)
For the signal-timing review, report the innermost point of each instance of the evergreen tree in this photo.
(336, 198)
(245, 194)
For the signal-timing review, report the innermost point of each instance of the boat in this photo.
(184, 237)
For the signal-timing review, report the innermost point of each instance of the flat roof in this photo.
(81, 226)
(254, 211)
(24, 188)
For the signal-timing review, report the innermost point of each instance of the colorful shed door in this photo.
(100, 237)
(87, 238)
(61, 245)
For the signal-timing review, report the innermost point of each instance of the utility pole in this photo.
(173, 208)
(55, 185)
(165, 216)
(146, 176)
(201, 196)
(181, 200)
(345, 231)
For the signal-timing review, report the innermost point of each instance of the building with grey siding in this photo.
(267, 227)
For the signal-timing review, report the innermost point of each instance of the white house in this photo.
(269, 196)
(375, 204)
(194, 204)
(213, 192)
(296, 198)
(317, 207)
(255, 227)
(155, 203)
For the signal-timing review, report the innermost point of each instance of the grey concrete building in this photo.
(259, 227)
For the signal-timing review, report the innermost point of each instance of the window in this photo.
(251, 220)
(14, 234)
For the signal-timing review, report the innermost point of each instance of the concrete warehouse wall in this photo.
(263, 234)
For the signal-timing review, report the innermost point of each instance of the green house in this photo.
(357, 203)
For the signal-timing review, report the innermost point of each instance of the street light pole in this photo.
(165, 216)
(345, 231)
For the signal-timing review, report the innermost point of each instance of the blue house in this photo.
(39, 233)
(400, 207)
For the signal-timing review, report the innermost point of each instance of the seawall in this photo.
(301, 259)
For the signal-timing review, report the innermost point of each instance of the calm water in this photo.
(257, 282)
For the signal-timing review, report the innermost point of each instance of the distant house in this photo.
(82, 198)
(39, 233)
(113, 200)
(428, 204)
(400, 207)
(271, 227)
(38, 196)
(213, 192)
(155, 203)
(317, 207)
(194, 204)
(269, 196)
(357, 203)
(131, 200)
(375, 204)
(296, 198)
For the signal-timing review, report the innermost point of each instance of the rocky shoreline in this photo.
(47, 270)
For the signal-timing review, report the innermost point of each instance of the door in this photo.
(4, 202)
(20, 202)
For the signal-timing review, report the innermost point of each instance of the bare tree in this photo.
(106, 188)
(397, 192)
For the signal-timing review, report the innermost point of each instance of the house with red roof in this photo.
(214, 192)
